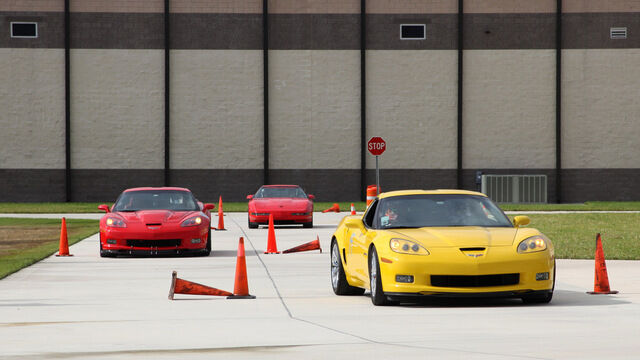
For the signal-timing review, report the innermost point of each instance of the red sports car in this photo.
(289, 204)
(156, 221)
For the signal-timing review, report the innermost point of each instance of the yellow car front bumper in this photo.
(498, 270)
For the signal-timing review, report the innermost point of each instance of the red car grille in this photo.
(153, 243)
(474, 281)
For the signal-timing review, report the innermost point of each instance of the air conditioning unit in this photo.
(515, 188)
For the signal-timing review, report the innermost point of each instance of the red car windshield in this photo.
(156, 200)
(280, 192)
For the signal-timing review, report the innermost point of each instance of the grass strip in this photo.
(574, 235)
(24, 242)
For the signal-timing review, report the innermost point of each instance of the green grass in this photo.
(92, 207)
(574, 235)
(27, 241)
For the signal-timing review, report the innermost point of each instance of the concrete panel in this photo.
(412, 7)
(216, 109)
(314, 6)
(117, 109)
(600, 108)
(412, 104)
(219, 7)
(32, 5)
(32, 103)
(510, 6)
(583, 6)
(314, 108)
(509, 109)
(118, 6)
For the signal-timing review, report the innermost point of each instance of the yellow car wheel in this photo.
(375, 280)
(338, 278)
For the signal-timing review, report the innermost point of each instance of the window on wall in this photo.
(413, 32)
(24, 30)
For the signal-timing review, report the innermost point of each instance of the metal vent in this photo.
(515, 188)
(413, 31)
(618, 33)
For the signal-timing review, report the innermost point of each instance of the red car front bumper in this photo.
(162, 240)
(280, 218)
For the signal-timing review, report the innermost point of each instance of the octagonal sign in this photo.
(376, 145)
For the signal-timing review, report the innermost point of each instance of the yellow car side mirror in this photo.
(354, 222)
(521, 220)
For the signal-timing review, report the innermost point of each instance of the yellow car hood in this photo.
(464, 236)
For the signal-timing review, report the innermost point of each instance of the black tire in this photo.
(308, 225)
(207, 251)
(542, 298)
(252, 225)
(375, 282)
(102, 252)
(338, 278)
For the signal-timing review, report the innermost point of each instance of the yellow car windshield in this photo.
(438, 210)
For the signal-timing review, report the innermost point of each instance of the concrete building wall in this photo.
(509, 109)
(216, 96)
(601, 108)
(315, 111)
(32, 109)
(412, 104)
(216, 109)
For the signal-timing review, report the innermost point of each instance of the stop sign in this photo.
(376, 145)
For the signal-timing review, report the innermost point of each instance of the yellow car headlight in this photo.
(403, 246)
(532, 244)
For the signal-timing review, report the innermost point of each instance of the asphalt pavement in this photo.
(87, 307)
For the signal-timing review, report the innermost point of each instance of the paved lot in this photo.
(86, 307)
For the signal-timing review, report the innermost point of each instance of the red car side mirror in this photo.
(249, 197)
(209, 207)
(311, 197)
(104, 208)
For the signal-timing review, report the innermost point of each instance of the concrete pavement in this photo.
(87, 307)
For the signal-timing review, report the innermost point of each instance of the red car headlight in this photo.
(192, 221)
(115, 222)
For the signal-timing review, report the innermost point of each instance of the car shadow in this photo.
(560, 298)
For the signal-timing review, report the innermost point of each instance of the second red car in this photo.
(289, 204)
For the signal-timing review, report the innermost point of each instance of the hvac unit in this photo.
(515, 188)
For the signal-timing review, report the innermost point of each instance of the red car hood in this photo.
(275, 204)
(156, 216)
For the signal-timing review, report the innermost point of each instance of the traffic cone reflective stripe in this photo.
(272, 248)
(241, 286)
(334, 208)
(63, 249)
(353, 209)
(601, 281)
(312, 245)
(220, 215)
(180, 286)
(372, 193)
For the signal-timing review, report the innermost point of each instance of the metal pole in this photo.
(363, 99)
(265, 87)
(167, 96)
(67, 101)
(559, 101)
(377, 177)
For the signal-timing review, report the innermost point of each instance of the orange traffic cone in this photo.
(272, 248)
(241, 287)
(64, 242)
(312, 245)
(353, 209)
(601, 281)
(179, 286)
(334, 208)
(220, 216)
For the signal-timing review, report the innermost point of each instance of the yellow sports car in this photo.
(414, 243)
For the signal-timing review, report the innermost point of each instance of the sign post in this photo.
(377, 146)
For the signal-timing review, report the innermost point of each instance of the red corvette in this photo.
(156, 221)
(288, 203)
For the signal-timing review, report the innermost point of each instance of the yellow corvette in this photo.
(415, 243)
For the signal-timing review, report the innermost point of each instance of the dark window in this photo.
(370, 215)
(24, 30)
(413, 32)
